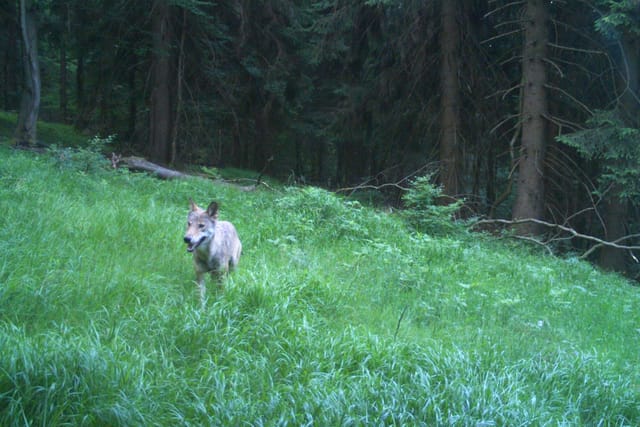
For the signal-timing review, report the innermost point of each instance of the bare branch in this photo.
(575, 49)
(554, 65)
(504, 23)
(501, 35)
(562, 122)
(497, 9)
(397, 184)
(599, 242)
(568, 95)
(512, 116)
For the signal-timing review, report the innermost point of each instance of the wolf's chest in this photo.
(207, 256)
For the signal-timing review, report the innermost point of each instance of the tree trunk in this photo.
(30, 104)
(80, 121)
(180, 77)
(10, 73)
(449, 100)
(161, 118)
(133, 106)
(64, 71)
(530, 191)
(63, 80)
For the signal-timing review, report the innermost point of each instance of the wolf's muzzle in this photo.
(191, 244)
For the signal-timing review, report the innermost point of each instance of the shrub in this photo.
(423, 212)
(85, 159)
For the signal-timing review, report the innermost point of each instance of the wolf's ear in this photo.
(193, 205)
(212, 210)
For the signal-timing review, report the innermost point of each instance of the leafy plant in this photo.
(85, 159)
(423, 210)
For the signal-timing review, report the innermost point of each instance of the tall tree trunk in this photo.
(63, 79)
(161, 118)
(64, 72)
(30, 104)
(80, 121)
(263, 142)
(133, 105)
(530, 192)
(616, 207)
(449, 101)
(10, 60)
(180, 77)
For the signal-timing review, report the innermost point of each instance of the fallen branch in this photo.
(397, 185)
(598, 242)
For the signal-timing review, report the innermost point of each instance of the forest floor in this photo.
(337, 315)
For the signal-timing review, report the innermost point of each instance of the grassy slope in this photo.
(48, 133)
(100, 322)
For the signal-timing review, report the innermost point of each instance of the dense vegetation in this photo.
(524, 110)
(338, 314)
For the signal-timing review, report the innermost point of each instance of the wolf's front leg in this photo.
(218, 278)
(201, 288)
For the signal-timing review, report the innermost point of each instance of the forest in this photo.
(525, 112)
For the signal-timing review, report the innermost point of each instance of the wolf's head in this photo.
(201, 225)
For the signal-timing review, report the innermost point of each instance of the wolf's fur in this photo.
(215, 244)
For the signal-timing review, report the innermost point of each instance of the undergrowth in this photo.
(337, 314)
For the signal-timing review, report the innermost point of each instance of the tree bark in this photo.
(530, 190)
(63, 79)
(161, 109)
(10, 59)
(64, 69)
(30, 105)
(449, 100)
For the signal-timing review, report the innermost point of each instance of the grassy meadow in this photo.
(337, 315)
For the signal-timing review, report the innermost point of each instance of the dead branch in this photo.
(554, 65)
(509, 33)
(372, 187)
(571, 97)
(397, 184)
(575, 49)
(499, 8)
(574, 234)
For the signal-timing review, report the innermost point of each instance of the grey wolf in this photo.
(215, 244)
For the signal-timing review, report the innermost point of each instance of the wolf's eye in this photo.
(189, 223)
(201, 226)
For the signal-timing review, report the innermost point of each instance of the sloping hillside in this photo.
(337, 315)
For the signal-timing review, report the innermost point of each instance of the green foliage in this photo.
(90, 158)
(619, 16)
(368, 324)
(618, 145)
(424, 209)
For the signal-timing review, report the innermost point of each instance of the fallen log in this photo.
(135, 163)
(139, 164)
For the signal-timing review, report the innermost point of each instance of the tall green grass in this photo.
(337, 315)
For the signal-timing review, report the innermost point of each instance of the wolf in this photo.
(215, 244)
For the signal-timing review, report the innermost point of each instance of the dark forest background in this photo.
(526, 110)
